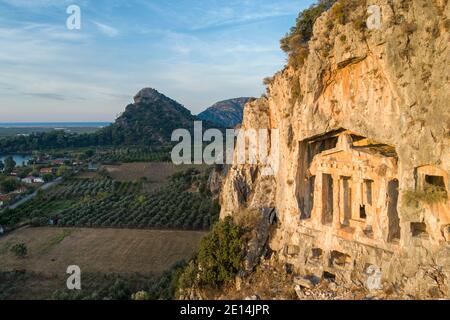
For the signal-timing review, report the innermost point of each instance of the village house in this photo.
(60, 161)
(31, 180)
(47, 171)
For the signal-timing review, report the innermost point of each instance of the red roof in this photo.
(4, 197)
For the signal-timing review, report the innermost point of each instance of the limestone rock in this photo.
(298, 291)
(254, 297)
(362, 123)
(257, 244)
(304, 282)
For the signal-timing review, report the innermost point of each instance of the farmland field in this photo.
(51, 250)
(181, 203)
(138, 256)
(155, 172)
(134, 154)
(128, 227)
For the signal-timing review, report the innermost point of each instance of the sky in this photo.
(196, 52)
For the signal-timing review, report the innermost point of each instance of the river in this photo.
(18, 158)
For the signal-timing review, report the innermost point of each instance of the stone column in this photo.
(336, 202)
(357, 197)
(316, 215)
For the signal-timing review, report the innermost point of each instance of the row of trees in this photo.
(112, 135)
(118, 155)
(109, 203)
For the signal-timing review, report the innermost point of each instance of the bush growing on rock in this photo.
(302, 32)
(430, 195)
(220, 255)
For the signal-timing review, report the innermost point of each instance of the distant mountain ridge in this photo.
(226, 113)
(151, 119)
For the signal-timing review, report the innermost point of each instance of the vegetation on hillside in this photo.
(221, 253)
(95, 286)
(132, 154)
(124, 287)
(10, 283)
(295, 41)
(302, 32)
(8, 184)
(219, 260)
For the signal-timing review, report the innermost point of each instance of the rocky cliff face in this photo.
(227, 113)
(364, 141)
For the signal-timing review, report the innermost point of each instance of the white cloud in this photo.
(31, 43)
(44, 62)
(106, 29)
(199, 53)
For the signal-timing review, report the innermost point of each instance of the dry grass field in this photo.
(88, 175)
(121, 251)
(156, 172)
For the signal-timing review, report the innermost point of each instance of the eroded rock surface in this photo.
(363, 153)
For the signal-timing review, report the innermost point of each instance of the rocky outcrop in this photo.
(151, 120)
(257, 245)
(364, 127)
(227, 113)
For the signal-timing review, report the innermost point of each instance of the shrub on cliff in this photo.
(221, 253)
(302, 32)
(429, 195)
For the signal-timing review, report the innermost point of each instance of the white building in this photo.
(38, 180)
(31, 180)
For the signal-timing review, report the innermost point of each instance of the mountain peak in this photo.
(147, 95)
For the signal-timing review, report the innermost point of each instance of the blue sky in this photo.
(196, 52)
